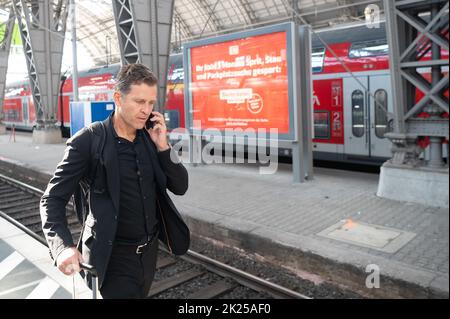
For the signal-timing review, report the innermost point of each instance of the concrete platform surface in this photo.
(334, 226)
(27, 272)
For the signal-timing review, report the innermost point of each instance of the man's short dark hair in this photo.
(134, 74)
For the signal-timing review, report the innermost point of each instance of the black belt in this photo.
(136, 247)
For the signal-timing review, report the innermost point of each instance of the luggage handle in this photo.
(91, 269)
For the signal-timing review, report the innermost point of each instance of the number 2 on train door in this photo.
(337, 126)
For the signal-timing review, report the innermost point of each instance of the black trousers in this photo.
(130, 275)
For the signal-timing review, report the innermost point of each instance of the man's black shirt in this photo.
(137, 212)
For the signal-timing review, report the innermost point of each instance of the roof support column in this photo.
(5, 45)
(432, 108)
(42, 26)
(144, 30)
(415, 45)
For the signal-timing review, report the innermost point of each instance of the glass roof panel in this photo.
(196, 18)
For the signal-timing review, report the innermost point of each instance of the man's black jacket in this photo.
(101, 222)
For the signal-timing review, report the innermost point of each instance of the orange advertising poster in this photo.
(241, 83)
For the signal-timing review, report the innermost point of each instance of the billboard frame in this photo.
(290, 29)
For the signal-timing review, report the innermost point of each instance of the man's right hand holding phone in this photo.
(158, 132)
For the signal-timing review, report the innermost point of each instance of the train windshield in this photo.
(368, 49)
(317, 59)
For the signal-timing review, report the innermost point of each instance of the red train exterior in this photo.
(347, 122)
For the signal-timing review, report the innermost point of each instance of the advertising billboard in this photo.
(241, 81)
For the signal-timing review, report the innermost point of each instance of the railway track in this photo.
(191, 276)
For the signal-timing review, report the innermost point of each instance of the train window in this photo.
(12, 115)
(317, 59)
(358, 113)
(367, 49)
(381, 119)
(322, 125)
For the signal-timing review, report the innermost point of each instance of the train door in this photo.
(380, 104)
(357, 135)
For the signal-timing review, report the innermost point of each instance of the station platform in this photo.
(27, 272)
(333, 228)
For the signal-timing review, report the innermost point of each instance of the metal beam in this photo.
(74, 51)
(186, 28)
(42, 26)
(424, 29)
(443, 84)
(180, 31)
(144, 30)
(210, 16)
(424, 64)
(410, 38)
(422, 127)
(249, 16)
(399, 97)
(302, 159)
(431, 27)
(5, 45)
(429, 90)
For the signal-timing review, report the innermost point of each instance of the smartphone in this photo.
(149, 124)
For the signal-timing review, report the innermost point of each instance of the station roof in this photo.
(195, 19)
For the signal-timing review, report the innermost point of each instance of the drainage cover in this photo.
(368, 235)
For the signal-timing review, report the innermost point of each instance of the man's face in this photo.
(136, 106)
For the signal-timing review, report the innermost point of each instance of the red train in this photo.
(348, 124)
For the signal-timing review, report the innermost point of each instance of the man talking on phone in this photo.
(129, 208)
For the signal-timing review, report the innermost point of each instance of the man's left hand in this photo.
(158, 133)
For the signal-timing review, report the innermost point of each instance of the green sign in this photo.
(16, 40)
